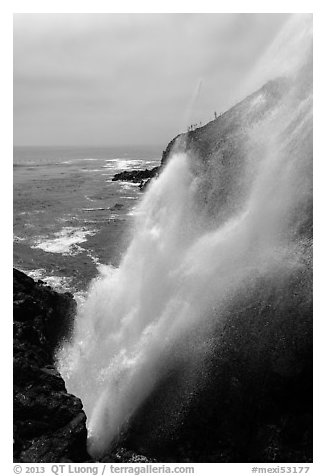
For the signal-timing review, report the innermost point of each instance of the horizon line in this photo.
(87, 145)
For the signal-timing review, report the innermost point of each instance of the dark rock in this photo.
(117, 206)
(49, 423)
(53, 310)
(136, 176)
(144, 177)
(171, 145)
(123, 455)
(62, 445)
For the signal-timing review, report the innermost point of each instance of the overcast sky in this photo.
(123, 79)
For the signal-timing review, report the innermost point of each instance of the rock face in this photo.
(253, 399)
(49, 423)
(123, 455)
(143, 177)
(136, 176)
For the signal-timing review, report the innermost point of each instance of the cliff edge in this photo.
(49, 423)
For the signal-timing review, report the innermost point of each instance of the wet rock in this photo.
(35, 302)
(144, 177)
(49, 423)
(123, 455)
(116, 206)
(65, 444)
(136, 176)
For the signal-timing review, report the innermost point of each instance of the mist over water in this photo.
(204, 230)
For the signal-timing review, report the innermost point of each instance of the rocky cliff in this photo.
(255, 400)
(49, 423)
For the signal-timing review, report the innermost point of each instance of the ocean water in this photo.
(69, 217)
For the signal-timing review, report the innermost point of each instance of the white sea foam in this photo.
(59, 283)
(114, 216)
(64, 241)
(31, 212)
(91, 170)
(124, 164)
(18, 239)
(129, 186)
(135, 211)
(37, 273)
(93, 257)
(94, 209)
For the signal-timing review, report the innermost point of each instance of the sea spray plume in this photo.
(186, 123)
(284, 56)
(117, 334)
(198, 241)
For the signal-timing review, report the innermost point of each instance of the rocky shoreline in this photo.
(49, 423)
(137, 176)
(144, 177)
